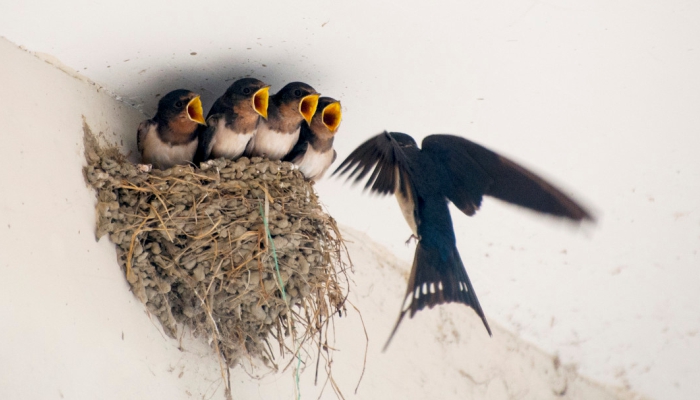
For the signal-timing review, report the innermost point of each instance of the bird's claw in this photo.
(414, 237)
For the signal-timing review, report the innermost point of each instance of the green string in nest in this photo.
(279, 278)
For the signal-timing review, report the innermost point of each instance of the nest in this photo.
(240, 252)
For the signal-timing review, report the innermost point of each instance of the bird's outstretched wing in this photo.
(382, 156)
(475, 170)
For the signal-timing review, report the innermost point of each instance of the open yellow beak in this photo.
(307, 106)
(195, 111)
(331, 116)
(261, 99)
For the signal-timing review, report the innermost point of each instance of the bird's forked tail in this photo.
(437, 276)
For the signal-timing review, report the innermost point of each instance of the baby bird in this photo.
(170, 137)
(288, 109)
(314, 152)
(233, 120)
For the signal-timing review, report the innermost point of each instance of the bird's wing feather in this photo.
(383, 157)
(475, 171)
(205, 134)
(301, 146)
(219, 107)
(142, 131)
(464, 180)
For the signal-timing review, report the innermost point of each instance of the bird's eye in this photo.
(297, 93)
(178, 104)
(246, 90)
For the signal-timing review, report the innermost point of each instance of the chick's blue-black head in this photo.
(180, 102)
(249, 89)
(245, 87)
(299, 95)
(294, 91)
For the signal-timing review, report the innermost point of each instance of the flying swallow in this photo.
(447, 169)
(170, 137)
(233, 120)
(314, 152)
(287, 110)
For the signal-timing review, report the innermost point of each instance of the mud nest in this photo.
(196, 249)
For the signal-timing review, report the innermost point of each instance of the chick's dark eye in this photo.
(178, 104)
(246, 90)
(297, 93)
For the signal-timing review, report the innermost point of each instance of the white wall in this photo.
(600, 96)
(70, 327)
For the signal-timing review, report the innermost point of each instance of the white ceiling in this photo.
(602, 96)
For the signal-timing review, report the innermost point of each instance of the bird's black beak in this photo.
(331, 116)
(261, 99)
(195, 111)
(307, 106)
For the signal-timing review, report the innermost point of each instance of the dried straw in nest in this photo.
(194, 246)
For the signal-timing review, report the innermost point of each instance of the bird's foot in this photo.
(144, 167)
(414, 237)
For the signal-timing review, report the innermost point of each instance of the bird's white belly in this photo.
(228, 143)
(271, 144)
(162, 155)
(407, 205)
(314, 163)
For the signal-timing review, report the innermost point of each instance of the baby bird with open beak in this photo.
(314, 152)
(233, 120)
(170, 137)
(287, 111)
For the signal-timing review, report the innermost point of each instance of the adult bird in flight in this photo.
(446, 169)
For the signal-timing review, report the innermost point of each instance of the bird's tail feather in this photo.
(435, 280)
